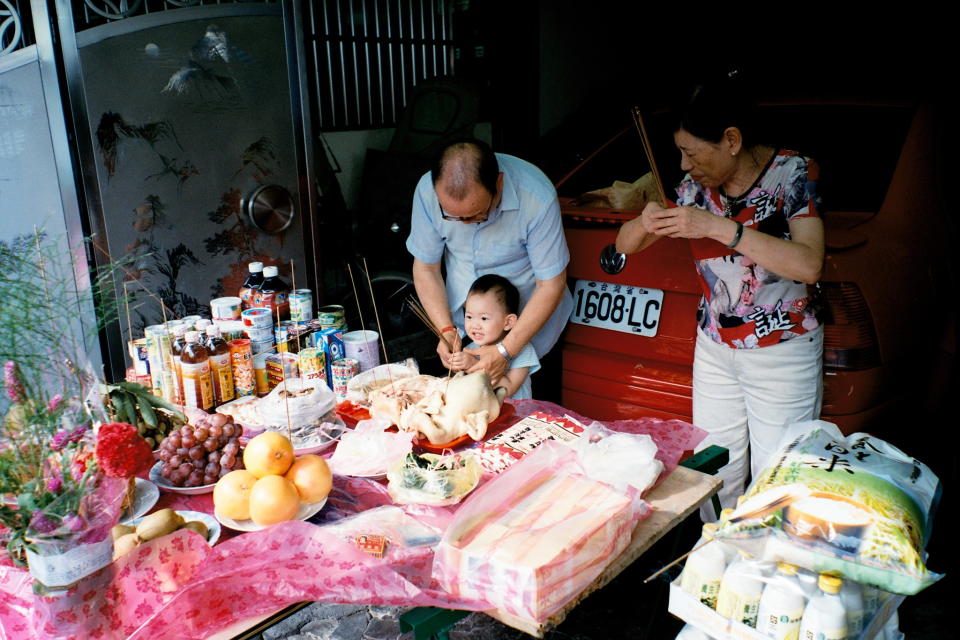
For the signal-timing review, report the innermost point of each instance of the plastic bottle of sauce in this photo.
(221, 371)
(704, 568)
(825, 617)
(251, 285)
(740, 591)
(176, 348)
(782, 604)
(195, 367)
(274, 294)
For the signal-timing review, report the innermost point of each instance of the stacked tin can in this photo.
(158, 343)
(258, 327)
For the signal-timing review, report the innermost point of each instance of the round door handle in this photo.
(611, 260)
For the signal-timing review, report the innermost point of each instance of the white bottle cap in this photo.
(192, 336)
(270, 272)
(213, 331)
(255, 267)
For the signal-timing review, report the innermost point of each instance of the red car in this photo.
(890, 323)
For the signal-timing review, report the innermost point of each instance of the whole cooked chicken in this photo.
(440, 409)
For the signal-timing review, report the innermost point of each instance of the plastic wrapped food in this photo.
(536, 535)
(432, 479)
(855, 505)
(368, 450)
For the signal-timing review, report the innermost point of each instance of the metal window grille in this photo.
(93, 13)
(16, 25)
(364, 57)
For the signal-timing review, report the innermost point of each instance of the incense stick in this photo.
(648, 150)
(363, 325)
(383, 342)
(293, 279)
(679, 560)
(283, 376)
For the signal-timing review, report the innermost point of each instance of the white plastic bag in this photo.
(617, 458)
(297, 402)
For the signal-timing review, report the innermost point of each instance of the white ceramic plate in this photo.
(304, 512)
(213, 527)
(145, 495)
(164, 484)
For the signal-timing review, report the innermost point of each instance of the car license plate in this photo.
(617, 307)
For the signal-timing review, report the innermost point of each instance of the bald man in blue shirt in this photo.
(484, 212)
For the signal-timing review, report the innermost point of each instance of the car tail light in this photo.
(849, 337)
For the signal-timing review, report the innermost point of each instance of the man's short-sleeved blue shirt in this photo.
(522, 241)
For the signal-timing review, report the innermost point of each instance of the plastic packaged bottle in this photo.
(221, 371)
(274, 294)
(852, 596)
(871, 601)
(825, 617)
(782, 604)
(808, 581)
(251, 285)
(195, 366)
(740, 591)
(704, 568)
(690, 632)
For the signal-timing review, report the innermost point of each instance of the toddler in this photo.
(491, 310)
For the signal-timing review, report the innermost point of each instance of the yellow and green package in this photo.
(854, 504)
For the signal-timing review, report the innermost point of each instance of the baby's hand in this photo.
(458, 361)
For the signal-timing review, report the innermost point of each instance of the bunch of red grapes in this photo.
(202, 453)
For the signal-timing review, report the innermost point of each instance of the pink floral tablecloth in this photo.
(178, 587)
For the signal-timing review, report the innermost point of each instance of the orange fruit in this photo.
(273, 499)
(268, 454)
(231, 495)
(312, 477)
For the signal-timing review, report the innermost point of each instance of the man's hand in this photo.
(445, 353)
(490, 360)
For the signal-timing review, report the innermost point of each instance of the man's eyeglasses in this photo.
(478, 217)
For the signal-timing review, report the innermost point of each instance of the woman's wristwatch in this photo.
(503, 352)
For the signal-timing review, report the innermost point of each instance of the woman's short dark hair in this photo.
(506, 293)
(718, 104)
(465, 161)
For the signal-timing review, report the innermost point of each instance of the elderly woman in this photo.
(750, 213)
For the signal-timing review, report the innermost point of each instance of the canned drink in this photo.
(312, 364)
(331, 341)
(342, 371)
(331, 315)
(169, 387)
(301, 305)
(241, 361)
(227, 308)
(257, 317)
(139, 356)
(260, 373)
(282, 334)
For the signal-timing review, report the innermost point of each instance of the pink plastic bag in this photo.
(535, 536)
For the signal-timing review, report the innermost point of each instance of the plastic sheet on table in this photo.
(178, 588)
(673, 437)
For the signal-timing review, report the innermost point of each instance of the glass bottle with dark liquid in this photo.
(251, 285)
(274, 294)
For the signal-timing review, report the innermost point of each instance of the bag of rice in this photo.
(854, 504)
